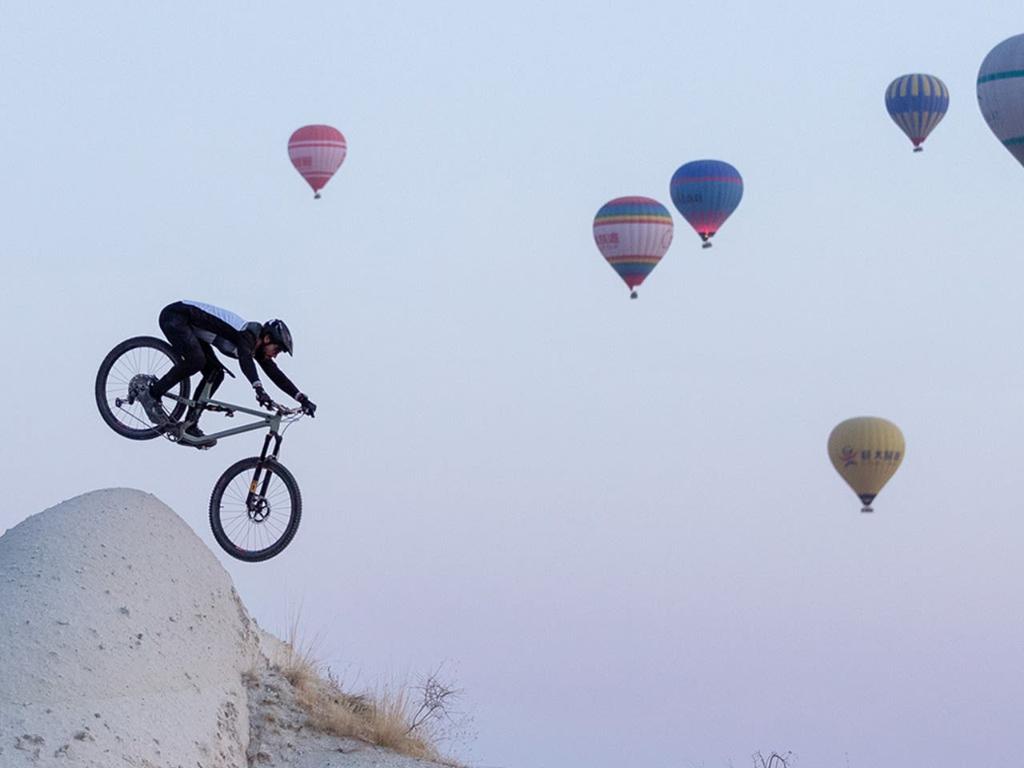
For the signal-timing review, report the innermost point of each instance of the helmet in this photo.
(278, 333)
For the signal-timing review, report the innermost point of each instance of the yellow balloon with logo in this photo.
(866, 451)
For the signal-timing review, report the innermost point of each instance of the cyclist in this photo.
(193, 329)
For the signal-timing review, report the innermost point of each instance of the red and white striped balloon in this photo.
(317, 151)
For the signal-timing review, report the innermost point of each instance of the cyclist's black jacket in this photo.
(234, 337)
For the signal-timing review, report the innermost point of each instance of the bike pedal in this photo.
(172, 432)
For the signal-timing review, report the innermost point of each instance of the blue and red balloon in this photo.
(706, 192)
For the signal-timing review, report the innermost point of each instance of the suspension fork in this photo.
(253, 498)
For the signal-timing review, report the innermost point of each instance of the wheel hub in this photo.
(138, 382)
(259, 509)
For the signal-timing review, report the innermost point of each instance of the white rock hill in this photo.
(124, 643)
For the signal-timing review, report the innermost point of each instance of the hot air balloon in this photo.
(1001, 93)
(317, 151)
(866, 451)
(706, 192)
(633, 234)
(917, 103)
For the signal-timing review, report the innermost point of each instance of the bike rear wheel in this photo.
(142, 355)
(251, 525)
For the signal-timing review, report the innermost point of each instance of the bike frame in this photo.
(256, 499)
(271, 421)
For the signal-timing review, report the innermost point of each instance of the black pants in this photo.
(196, 354)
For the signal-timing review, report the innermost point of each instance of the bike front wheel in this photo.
(142, 355)
(255, 509)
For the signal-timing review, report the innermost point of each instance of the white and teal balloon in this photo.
(1001, 93)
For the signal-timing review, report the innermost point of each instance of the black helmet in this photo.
(279, 334)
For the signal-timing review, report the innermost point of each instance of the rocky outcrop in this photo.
(124, 642)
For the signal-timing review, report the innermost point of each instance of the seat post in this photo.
(192, 416)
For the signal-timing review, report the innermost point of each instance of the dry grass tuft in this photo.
(406, 719)
(383, 719)
(300, 664)
(395, 727)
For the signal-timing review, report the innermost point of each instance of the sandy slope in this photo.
(124, 643)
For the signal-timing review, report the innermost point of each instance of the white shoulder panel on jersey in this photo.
(228, 317)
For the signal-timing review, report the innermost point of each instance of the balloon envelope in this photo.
(866, 451)
(706, 192)
(633, 233)
(917, 103)
(317, 151)
(1001, 93)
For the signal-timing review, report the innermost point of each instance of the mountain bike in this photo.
(256, 506)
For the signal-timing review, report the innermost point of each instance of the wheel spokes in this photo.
(260, 527)
(147, 360)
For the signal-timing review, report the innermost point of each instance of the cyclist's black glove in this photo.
(308, 406)
(263, 398)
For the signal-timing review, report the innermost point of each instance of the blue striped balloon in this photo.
(706, 192)
(917, 103)
(1001, 94)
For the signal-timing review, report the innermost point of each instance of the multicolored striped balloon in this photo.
(706, 192)
(1001, 93)
(317, 151)
(633, 233)
(917, 103)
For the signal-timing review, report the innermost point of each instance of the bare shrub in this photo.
(416, 719)
(774, 760)
(435, 710)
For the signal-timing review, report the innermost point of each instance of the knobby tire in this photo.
(138, 355)
(231, 521)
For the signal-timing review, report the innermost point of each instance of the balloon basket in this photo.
(919, 149)
(632, 295)
(867, 511)
(706, 244)
(316, 196)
